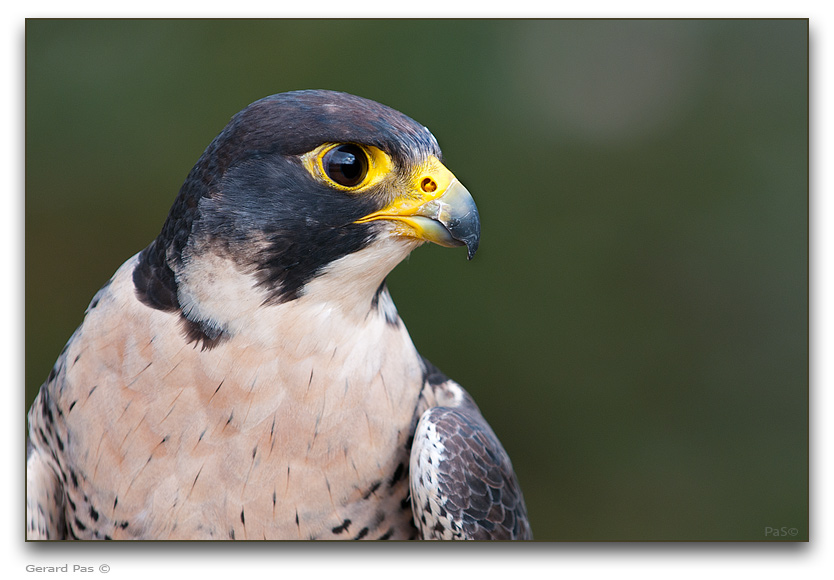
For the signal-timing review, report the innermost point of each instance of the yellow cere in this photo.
(429, 182)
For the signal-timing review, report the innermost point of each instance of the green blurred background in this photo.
(635, 324)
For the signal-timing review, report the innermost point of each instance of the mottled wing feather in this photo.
(462, 482)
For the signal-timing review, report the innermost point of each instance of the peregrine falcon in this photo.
(247, 376)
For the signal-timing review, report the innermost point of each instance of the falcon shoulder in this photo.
(463, 486)
(44, 498)
(49, 477)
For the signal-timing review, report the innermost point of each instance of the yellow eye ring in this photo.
(347, 166)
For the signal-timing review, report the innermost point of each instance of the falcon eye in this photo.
(347, 165)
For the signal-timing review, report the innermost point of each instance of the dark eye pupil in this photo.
(347, 165)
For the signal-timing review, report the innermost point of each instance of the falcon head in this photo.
(306, 195)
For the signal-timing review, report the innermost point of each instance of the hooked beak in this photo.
(438, 209)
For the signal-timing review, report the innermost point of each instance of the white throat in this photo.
(214, 290)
